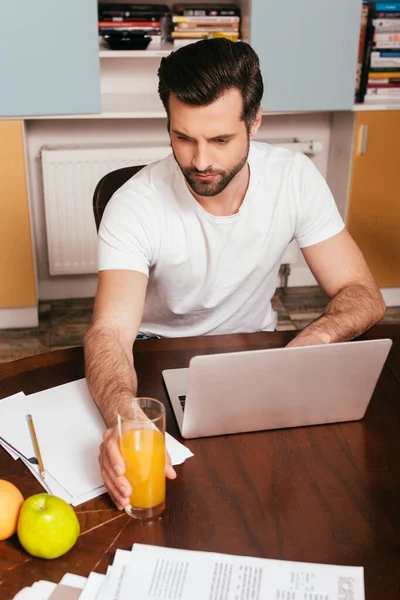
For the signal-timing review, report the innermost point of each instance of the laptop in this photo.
(279, 387)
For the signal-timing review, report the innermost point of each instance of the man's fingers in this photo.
(110, 456)
(119, 501)
(169, 469)
(113, 453)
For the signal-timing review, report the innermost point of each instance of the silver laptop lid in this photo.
(283, 387)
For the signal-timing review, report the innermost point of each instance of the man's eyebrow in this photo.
(225, 136)
(182, 134)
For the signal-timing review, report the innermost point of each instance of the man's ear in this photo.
(257, 122)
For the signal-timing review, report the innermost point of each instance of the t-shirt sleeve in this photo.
(318, 217)
(127, 234)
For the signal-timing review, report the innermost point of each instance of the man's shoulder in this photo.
(151, 177)
(269, 154)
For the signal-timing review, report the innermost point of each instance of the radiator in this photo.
(69, 179)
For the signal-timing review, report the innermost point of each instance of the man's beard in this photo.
(214, 186)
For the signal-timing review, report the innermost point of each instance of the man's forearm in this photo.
(110, 373)
(352, 311)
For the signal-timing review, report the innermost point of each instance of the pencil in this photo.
(36, 445)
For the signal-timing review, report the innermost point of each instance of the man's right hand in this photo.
(113, 469)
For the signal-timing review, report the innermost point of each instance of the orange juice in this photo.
(143, 451)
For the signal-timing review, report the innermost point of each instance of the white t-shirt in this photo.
(209, 274)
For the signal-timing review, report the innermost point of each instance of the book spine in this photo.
(206, 12)
(387, 45)
(387, 6)
(385, 54)
(195, 27)
(385, 15)
(380, 70)
(104, 18)
(204, 20)
(387, 37)
(387, 92)
(386, 25)
(180, 35)
(147, 30)
(110, 15)
(379, 74)
(374, 85)
(385, 63)
(107, 24)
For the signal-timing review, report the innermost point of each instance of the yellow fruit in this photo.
(11, 501)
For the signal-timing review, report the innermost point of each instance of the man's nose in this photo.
(201, 159)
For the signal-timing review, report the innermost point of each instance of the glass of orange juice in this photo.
(142, 443)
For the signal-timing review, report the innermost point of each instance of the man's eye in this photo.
(183, 139)
(221, 141)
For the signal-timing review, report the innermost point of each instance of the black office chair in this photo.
(106, 187)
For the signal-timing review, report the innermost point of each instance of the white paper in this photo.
(69, 428)
(72, 580)
(93, 586)
(12, 429)
(40, 590)
(178, 453)
(158, 572)
(111, 586)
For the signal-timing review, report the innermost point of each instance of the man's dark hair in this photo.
(198, 74)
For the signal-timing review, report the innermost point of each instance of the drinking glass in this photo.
(141, 427)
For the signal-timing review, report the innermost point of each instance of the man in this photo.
(192, 244)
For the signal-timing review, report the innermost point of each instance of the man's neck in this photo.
(229, 201)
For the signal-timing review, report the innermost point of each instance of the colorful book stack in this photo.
(134, 26)
(382, 55)
(194, 22)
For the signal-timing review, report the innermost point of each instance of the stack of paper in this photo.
(69, 428)
(149, 572)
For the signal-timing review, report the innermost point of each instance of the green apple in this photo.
(47, 526)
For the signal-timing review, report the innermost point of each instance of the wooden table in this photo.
(327, 494)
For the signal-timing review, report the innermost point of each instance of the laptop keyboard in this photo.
(182, 400)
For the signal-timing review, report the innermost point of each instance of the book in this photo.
(386, 25)
(383, 86)
(388, 92)
(387, 6)
(183, 27)
(205, 19)
(385, 15)
(394, 81)
(385, 59)
(123, 19)
(383, 74)
(385, 54)
(385, 63)
(387, 37)
(111, 9)
(380, 70)
(201, 10)
(231, 26)
(177, 35)
(124, 24)
(144, 30)
(387, 45)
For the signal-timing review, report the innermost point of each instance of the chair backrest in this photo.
(106, 187)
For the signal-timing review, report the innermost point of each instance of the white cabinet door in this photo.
(49, 58)
(308, 52)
